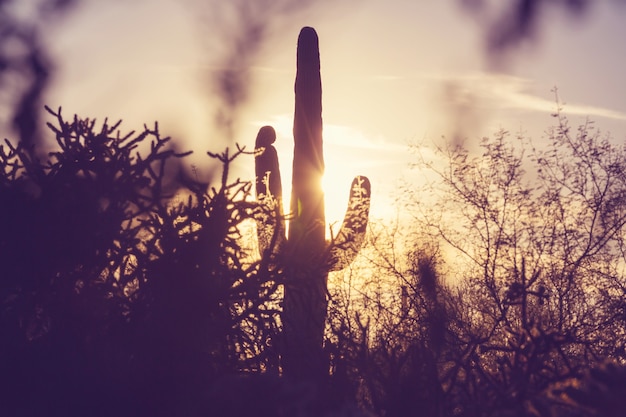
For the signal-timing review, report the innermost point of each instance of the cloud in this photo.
(507, 91)
(350, 137)
(339, 136)
(385, 77)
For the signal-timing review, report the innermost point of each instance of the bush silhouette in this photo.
(124, 285)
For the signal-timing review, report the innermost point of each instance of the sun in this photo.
(344, 159)
(336, 185)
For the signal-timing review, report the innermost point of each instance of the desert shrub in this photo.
(124, 282)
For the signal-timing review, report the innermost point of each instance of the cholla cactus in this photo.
(601, 391)
(306, 254)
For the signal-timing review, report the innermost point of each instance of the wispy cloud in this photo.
(385, 77)
(336, 135)
(507, 91)
(351, 137)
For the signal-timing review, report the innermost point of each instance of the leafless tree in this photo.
(536, 237)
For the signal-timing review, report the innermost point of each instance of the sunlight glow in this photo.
(347, 154)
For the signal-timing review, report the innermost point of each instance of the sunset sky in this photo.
(394, 72)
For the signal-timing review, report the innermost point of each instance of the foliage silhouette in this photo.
(539, 243)
(507, 297)
(389, 341)
(122, 276)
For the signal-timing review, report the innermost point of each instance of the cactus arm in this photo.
(269, 191)
(346, 245)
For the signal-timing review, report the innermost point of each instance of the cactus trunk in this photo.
(305, 291)
(305, 256)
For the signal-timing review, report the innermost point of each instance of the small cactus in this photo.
(269, 190)
(306, 254)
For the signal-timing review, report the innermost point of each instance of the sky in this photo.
(394, 72)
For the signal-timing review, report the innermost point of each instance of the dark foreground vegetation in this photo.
(127, 288)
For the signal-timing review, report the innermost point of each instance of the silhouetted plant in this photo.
(598, 391)
(121, 275)
(533, 296)
(536, 255)
(69, 226)
(305, 255)
(391, 332)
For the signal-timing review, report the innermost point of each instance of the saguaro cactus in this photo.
(306, 255)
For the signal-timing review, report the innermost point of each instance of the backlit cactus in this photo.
(305, 253)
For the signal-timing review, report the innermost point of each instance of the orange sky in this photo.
(393, 72)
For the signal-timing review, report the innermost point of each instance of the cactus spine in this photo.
(306, 255)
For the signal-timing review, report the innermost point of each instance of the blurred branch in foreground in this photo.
(507, 26)
(26, 67)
